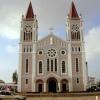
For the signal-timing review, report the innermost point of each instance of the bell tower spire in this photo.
(75, 32)
(30, 13)
(76, 56)
(73, 12)
(27, 45)
(29, 26)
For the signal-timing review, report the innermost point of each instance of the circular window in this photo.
(63, 52)
(40, 52)
(52, 52)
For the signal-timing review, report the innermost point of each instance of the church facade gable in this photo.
(51, 40)
(52, 64)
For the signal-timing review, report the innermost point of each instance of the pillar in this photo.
(70, 86)
(44, 87)
(58, 87)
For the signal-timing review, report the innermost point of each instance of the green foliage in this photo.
(98, 84)
(15, 77)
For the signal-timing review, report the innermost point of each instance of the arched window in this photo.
(56, 65)
(27, 49)
(77, 80)
(31, 35)
(51, 65)
(26, 65)
(30, 49)
(40, 67)
(47, 64)
(77, 65)
(24, 49)
(26, 81)
(79, 49)
(24, 36)
(75, 36)
(63, 66)
(78, 35)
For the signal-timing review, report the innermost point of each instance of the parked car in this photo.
(98, 89)
(91, 89)
(6, 91)
(3, 92)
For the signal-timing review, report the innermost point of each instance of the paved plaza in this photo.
(65, 98)
(60, 96)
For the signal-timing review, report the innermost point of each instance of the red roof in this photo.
(73, 12)
(30, 13)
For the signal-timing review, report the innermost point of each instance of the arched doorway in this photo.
(52, 85)
(64, 85)
(39, 86)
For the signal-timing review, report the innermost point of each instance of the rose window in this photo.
(52, 52)
(75, 28)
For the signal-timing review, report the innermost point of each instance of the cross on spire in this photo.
(51, 29)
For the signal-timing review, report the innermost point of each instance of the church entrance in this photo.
(39, 86)
(64, 85)
(52, 85)
(64, 88)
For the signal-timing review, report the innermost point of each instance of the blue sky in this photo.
(50, 13)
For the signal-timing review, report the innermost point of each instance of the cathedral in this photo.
(52, 64)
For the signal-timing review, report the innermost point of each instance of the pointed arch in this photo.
(40, 66)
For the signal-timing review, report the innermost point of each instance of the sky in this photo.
(50, 13)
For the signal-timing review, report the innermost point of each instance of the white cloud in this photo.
(47, 16)
(9, 33)
(10, 27)
(11, 49)
(93, 43)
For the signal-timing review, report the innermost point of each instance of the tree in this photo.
(15, 77)
(98, 84)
